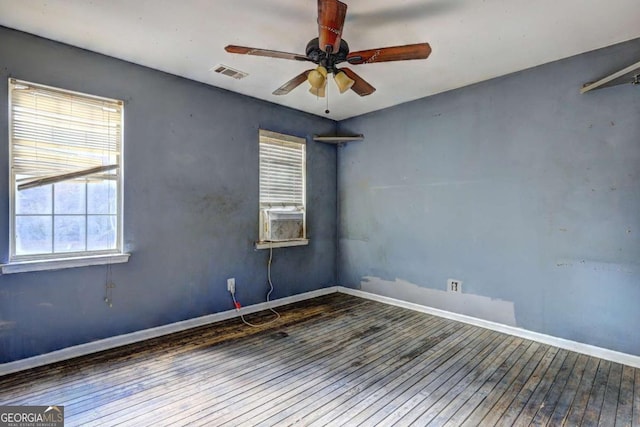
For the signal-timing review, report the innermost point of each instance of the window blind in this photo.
(62, 135)
(282, 164)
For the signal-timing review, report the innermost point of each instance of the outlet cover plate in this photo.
(454, 285)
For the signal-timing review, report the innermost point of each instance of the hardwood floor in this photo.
(335, 360)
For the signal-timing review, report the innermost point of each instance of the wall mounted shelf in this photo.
(336, 139)
(626, 75)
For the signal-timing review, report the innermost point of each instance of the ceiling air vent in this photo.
(228, 71)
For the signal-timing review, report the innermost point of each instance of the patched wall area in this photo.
(521, 187)
(478, 306)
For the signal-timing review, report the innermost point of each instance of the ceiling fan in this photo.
(328, 50)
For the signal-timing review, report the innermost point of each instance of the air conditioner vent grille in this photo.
(228, 71)
(282, 225)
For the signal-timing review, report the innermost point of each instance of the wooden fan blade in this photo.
(264, 52)
(292, 84)
(331, 14)
(393, 53)
(361, 87)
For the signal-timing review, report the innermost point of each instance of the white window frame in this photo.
(56, 260)
(297, 196)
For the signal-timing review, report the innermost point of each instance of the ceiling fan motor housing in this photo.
(327, 60)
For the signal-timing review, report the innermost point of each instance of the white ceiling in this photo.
(472, 40)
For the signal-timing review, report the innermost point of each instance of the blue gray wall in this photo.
(190, 205)
(520, 187)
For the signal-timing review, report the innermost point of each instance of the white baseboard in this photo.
(133, 337)
(589, 350)
(120, 340)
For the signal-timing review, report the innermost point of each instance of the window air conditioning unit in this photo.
(281, 225)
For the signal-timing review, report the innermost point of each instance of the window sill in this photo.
(60, 263)
(282, 244)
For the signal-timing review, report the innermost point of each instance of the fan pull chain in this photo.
(327, 100)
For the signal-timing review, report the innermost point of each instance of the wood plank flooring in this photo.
(335, 360)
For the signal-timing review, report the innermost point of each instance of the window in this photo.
(282, 190)
(66, 175)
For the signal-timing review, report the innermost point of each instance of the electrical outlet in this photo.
(454, 285)
(231, 285)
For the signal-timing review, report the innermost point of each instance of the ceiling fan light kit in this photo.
(329, 49)
(320, 92)
(343, 81)
(317, 78)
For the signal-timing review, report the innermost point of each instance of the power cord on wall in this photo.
(108, 287)
(237, 305)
